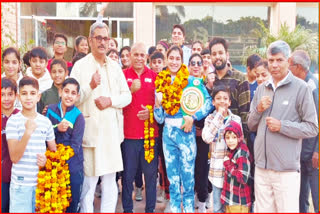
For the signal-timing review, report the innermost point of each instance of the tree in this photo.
(298, 39)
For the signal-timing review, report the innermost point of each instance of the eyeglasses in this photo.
(100, 38)
(59, 43)
(193, 63)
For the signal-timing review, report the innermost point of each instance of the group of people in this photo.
(178, 114)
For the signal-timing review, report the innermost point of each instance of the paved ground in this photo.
(139, 206)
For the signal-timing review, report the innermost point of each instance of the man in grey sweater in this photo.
(283, 113)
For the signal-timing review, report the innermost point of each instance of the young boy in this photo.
(68, 123)
(8, 98)
(157, 62)
(60, 47)
(212, 133)
(236, 191)
(27, 134)
(51, 96)
(38, 70)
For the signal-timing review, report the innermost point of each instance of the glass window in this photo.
(308, 17)
(203, 22)
(89, 9)
(126, 34)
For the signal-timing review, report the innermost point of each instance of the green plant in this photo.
(298, 39)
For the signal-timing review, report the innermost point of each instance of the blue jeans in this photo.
(76, 181)
(309, 180)
(22, 198)
(133, 155)
(5, 197)
(217, 205)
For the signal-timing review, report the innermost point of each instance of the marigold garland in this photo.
(53, 193)
(149, 136)
(172, 92)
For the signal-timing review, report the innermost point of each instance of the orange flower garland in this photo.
(149, 136)
(172, 92)
(53, 193)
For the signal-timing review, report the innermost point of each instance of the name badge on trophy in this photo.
(192, 98)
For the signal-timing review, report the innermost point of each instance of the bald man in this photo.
(140, 80)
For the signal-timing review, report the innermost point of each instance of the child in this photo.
(8, 98)
(38, 70)
(59, 47)
(11, 66)
(51, 96)
(212, 133)
(236, 191)
(27, 134)
(68, 123)
(157, 61)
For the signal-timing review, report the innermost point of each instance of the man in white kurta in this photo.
(104, 92)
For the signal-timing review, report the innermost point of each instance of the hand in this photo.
(103, 8)
(226, 158)
(144, 114)
(41, 160)
(103, 102)
(315, 160)
(95, 80)
(264, 104)
(188, 122)
(63, 126)
(30, 126)
(273, 124)
(45, 109)
(135, 86)
(222, 110)
(158, 99)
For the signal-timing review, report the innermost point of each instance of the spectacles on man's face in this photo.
(59, 43)
(100, 38)
(194, 63)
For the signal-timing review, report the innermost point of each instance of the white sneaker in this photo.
(160, 196)
(202, 207)
(196, 201)
(138, 194)
(167, 209)
(208, 201)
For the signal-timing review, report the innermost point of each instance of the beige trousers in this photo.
(276, 192)
(237, 209)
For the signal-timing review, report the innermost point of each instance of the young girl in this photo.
(11, 66)
(179, 143)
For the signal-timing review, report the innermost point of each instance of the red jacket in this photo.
(133, 127)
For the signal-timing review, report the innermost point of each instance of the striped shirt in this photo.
(212, 132)
(25, 172)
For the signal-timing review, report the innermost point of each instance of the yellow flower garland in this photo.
(172, 92)
(53, 193)
(149, 136)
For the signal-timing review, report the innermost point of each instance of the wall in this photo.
(9, 23)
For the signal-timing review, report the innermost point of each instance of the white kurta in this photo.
(103, 129)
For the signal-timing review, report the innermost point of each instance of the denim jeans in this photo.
(5, 197)
(309, 180)
(22, 198)
(76, 181)
(217, 205)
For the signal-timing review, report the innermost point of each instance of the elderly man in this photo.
(283, 113)
(299, 64)
(104, 92)
(141, 82)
